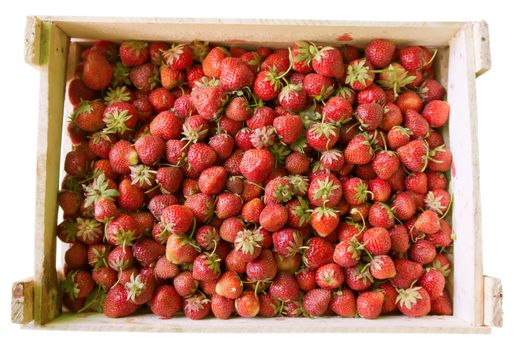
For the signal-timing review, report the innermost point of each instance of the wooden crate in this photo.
(53, 46)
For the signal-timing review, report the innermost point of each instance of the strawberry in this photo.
(358, 277)
(440, 159)
(166, 125)
(359, 74)
(302, 57)
(238, 109)
(105, 277)
(385, 164)
(207, 98)
(431, 90)
(284, 287)
(316, 301)
(177, 219)
(144, 77)
(372, 94)
(442, 238)
(337, 110)
(121, 156)
(319, 252)
(78, 92)
(369, 115)
(227, 205)
(78, 284)
(381, 215)
(268, 306)
(178, 57)
(328, 61)
(414, 155)
(252, 210)
(433, 282)
(412, 58)
(97, 72)
(416, 123)
(247, 304)
(134, 53)
(369, 304)
(273, 216)
(159, 202)
(147, 251)
(117, 303)
(413, 302)
(267, 85)
(120, 258)
(441, 305)
(332, 160)
(263, 268)
(88, 115)
(230, 227)
(399, 239)
(355, 191)
(329, 276)
(288, 127)
(422, 251)
(164, 269)
(212, 180)
(436, 113)
(277, 61)
(141, 287)
(343, 303)
(197, 307)
(409, 100)
(380, 52)
(406, 272)
(381, 189)
(131, 197)
(324, 221)
(293, 97)
(122, 230)
(206, 267)
(359, 150)
(180, 250)
(390, 295)
(222, 307)
(428, 222)
(382, 267)
(325, 190)
(322, 136)
(256, 164)
(318, 86)
(77, 163)
(376, 240)
(200, 156)
(166, 302)
(70, 202)
(235, 74)
(185, 284)
(211, 65)
(229, 285)
(89, 231)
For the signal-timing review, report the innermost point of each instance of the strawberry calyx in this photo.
(136, 47)
(212, 261)
(95, 300)
(199, 50)
(115, 122)
(299, 184)
(118, 94)
(358, 71)
(120, 75)
(302, 211)
(100, 258)
(195, 303)
(206, 82)
(134, 287)
(283, 192)
(192, 134)
(408, 297)
(124, 237)
(70, 287)
(173, 53)
(304, 52)
(433, 202)
(325, 189)
(88, 229)
(396, 78)
(279, 152)
(289, 91)
(83, 107)
(324, 129)
(142, 175)
(331, 156)
(98, 189)
(247, 240)
(263, 137)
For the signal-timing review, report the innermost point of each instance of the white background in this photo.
(18, 129)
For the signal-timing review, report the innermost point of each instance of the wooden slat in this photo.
(32, 40)
(22, 301)
(152, 323)
(466, 214)
(493, 302)
(275, 33)
(52, 59)
(482, 50)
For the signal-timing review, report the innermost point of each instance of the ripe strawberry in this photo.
(440, 159)
(316, 301)
(409, 100)
(359, 74)
(212, 180)
(247, 304)
(381, 189)
(78, 284)
(177, 219)
(117, 302)
(399, 239)
(390, 295)
(442, 238)
(412, 58)
(369, 304)
(77, 163)
(358, 277)
(105, 277)
(206, 267)
(122, 230)
(185, 284)
(147, 251)
(431, 90)
(207, 98)
(197, 307)
(134, 53)
(385, 164)
(359, 150)
(268, 306)
(302, 57)
(322, 136)
(222, 307)
(414, 155)
(166, 302)
(441, 305)
(288, 127)
(381, 215)
(180, 250)
(277, 61)
(343, 303)
(235, 74)
(337, 109)
(406, 273)
(428, 222)
(97, 72)
(238, 109)
(178, 57)
(318, 86)
(252, 210)
(200, 156)
(263, 268)
(293, 97)
(355, 191)
(382, 267)
(273, 216)
(144, 77)
(120, 258)
(422, 251)
(329, 276)
(78, 92)
(436, 113)
(267, 85)
(256, 164)
(319, 252)
(227, 205)
(141, 287)
(88, 115)
(377, 241)
(369, 115)
(324, 221)
(284, 287)
(413, 302)
(380, 52)
(328, 62)
(229, 285)
(131, 197)
(121, 156)
(433, 282)
(164, 269)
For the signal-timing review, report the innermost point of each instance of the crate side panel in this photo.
(465, 179)
(256, 32)
(54, 46)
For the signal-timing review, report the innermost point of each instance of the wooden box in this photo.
(53, 46)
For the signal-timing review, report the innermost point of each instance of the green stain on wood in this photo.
(44, 42)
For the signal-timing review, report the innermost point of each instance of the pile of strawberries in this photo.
(307, 181)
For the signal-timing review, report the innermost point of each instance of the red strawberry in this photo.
(322, 136)
(382, 267)
(379, 52)
(328, 62)
(441, 305)
(398, 136)
(288, 127)
(414, 155)
(97, 71)
(343, 303)
(436, 113)
(287, 242)
(120, 258)
(78, 92)
(134, 53)
(197, 307)
(105, 277)
(117, 303)
(347, 253)
(267, 85)
(101, 143)
(302, 57)
(293, 97)
(177, 218)
(331, 160)
(263, 268)
(227, 205)
(390, 295)
(359, 74)
(324, 221)
(403, 206)
(252, 210)
(238, 109)
(440, 159)
(70, 203)
(385, 164)
(88, 115)
(406, 273)
(428, 222)
(369, 115)
(78, 284)
(413, 302)
(412, 58)
(277, 61)
(247, 304)
(284, 287)
(329, 276)
(319, 252)
(77, 163)
(180, 250)
(369, 304)
(409, 100)
(381, 189)
(166, 302)
(358, 277)
(206, 267)
(122, 230)
(185, 284)
(200, 156)
(399, 239)
(235, 74)
(431, 90)
(141, 287)
(316, 301)
(178, 57)
(211, 65)
(355, 191)
(155, 49)
(273, 216)
(256, 164)
(144, 77)
(268, 306)
(359, 150)
(131, 197)
(381, 215)
(222, 307)
(207, 98)
(121, 156)
(229, 285)
(325, 190)
(318, 86)
(164, 269)
(422, 251)
(376, 240)
(147, 251)
(433, 282)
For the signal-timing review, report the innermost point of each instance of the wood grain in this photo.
(493, 302)
(22, 301)
(53, 54)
